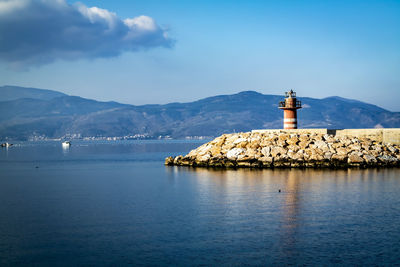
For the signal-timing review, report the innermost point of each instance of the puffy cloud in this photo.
(35, 32)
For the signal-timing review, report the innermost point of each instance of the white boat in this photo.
(6, 144)
(66, 143)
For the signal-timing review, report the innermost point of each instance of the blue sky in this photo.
(196, 49)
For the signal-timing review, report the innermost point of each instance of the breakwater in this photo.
(282, 149)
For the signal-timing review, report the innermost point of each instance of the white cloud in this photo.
(8, 5)
(141, 25)
(35, 32)
(98, 15)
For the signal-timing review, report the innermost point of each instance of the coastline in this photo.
(291, 149)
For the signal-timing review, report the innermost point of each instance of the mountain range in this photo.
(27, 113)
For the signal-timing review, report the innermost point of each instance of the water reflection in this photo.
(310, 200)
(248, 192)
(65, 149)
(4, 152)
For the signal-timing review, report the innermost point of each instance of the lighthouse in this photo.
(290, 107)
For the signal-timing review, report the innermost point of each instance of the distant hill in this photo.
(8, 93)
(61, 116)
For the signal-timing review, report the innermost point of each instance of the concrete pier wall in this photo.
(385, 135)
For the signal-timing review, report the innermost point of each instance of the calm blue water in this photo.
(115, 203)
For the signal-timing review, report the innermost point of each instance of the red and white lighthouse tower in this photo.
(290, 107)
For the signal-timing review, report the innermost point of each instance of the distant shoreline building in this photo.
(290, 107)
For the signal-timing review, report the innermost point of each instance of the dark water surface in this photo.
(115, 203)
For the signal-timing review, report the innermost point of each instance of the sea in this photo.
(114, 203)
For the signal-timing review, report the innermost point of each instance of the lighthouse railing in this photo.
(284, 104)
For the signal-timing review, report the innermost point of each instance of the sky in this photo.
(162, 51)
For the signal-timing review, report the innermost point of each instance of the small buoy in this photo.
(279, 190)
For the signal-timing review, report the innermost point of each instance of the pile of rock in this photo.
(265, 150)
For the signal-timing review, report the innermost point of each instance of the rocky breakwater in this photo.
(283, 150)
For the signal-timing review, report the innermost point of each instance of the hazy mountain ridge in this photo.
(57, 115)
(9, 92)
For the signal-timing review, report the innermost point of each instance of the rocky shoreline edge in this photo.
(290, 150)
